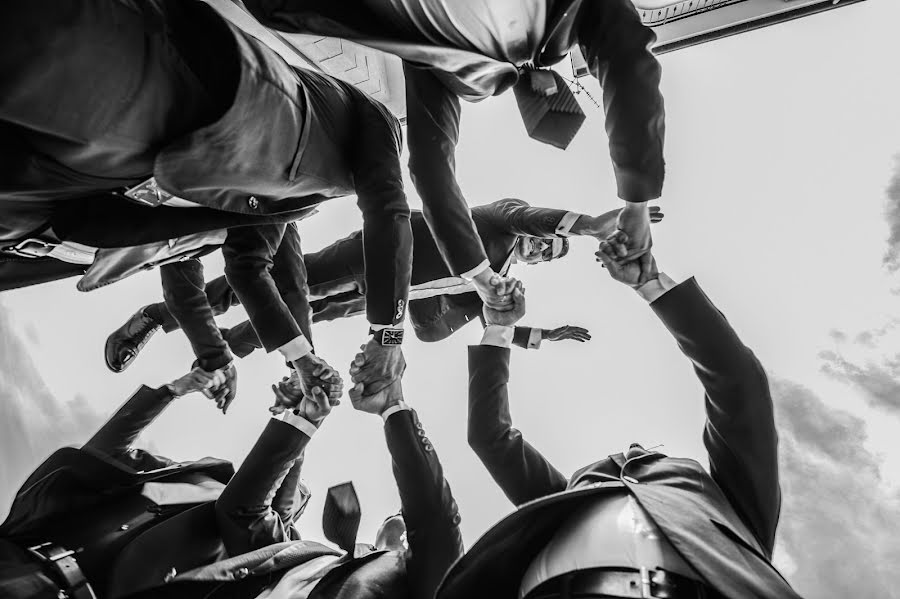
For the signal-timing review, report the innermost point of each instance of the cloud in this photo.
(892, 216)
(862, 360)
(33, 423)
(837, 534)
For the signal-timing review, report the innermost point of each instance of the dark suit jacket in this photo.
(499, 226)
(614, 42)
(290, 139)
(722, 522)
(90, 498)
(338, 273)
(432, 521)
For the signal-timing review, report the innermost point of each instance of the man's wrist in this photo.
(302, 424)
(173, 391)
(296, 348)
(387, 336)
(655, 287)
(498, 335)
(394, 406)
(481, 274)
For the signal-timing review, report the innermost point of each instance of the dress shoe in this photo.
(126, 342)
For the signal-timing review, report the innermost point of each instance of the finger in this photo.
(276, 409)
(646, 265)
(228, 399)
(356, 392)
(282, 399)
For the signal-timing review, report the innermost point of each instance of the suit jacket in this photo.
(90, 497)
(290, 139)
(337, 272)
(722, 522)
(612, 38)
(499, 226)
(432, 521)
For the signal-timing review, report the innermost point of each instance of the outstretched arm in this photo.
(521, 471)
(118, 434)
(429, 510)
(252, 512)
(184, 290)
(740, 435)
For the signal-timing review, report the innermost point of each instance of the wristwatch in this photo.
(387, 336)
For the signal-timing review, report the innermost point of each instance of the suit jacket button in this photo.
(428, 446)
(242, 573)
(631, 480)
(253, 202)
(124, 527)
(170, 575)
(457, 519)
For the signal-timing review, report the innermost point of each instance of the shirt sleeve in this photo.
(298, 422)
(497, 335)
(654, 289)
(564, 228)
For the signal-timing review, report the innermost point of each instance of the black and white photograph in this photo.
(449, 299)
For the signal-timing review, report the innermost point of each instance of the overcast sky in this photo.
(781, 198)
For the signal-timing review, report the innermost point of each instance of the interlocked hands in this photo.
(311, 380)
(633, 274)
(634, 222)
(374, 369)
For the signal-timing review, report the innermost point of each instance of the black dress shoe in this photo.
(126, 342)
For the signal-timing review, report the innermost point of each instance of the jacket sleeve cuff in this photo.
(378, 327)
(298, 422)
(654, 289)
(295, 348)
(498, 335)
(473, 272)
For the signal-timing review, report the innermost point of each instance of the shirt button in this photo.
(631, 480)
(253, 202)
(242, 573)
(170, 575)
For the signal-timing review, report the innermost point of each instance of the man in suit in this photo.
(638, 523)
(510, 230)
(131, 524)
(474, 50)
(109, 102)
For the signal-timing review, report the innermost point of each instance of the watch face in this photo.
(392, 337)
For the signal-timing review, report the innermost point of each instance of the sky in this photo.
(782, 198)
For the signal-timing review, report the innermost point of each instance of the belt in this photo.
(73, 253)
(60, 563)
(607, 582)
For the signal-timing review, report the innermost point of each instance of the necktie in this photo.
(548, 107)
(341, 516)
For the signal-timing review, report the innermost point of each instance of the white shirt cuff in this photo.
(295, 348)
(566, 222)
(298, 422)
(655, 289)
(497, 335)
(400, 407)
(471, 274)
(378, 327)
(535, 338)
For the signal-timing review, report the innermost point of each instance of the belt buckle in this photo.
(21, 249)
(44, 552)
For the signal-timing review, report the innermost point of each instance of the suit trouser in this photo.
(335, 275)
